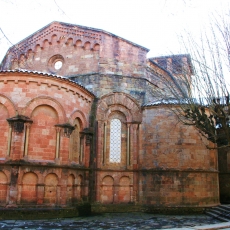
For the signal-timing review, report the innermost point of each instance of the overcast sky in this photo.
(154, 24)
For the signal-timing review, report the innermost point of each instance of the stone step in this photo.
(225, 211)
(216, 216)
(221, 212)
(225, 206)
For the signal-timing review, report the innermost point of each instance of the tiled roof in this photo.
(169, 101)
(162, 102)
(45, 74)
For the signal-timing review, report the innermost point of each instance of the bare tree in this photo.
(200, 91)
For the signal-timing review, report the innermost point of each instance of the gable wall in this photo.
(81, 49)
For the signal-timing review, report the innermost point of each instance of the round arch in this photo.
(45, 100)
(8, 104)
(78, 114)
(122, 102)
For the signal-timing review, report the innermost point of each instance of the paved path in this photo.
(131, 221)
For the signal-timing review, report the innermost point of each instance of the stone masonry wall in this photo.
(36, 166)
(80, 50)
(141, 89)
(176, 167)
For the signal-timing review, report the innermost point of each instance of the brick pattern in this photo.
(81, 51)
(29, 191)
(42, 142)
(42, 185)
(178, 167)
(141, 89)
(47, 101)
(176, 188)
(166, 143)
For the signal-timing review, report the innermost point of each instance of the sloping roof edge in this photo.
(82, 27)
(48, 75)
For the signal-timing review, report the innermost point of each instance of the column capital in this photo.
(58, 129)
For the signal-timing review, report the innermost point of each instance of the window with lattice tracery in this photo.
(115, 141)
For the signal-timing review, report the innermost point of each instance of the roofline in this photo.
(173, 55)
(82, 27)
(48, 75)
(188, 56)
(170, 75)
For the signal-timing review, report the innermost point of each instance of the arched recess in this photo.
(69, 42)
(76, 142)
(45, 100)
(96, 47)
(8, 104)
(124, 195)
(37, 50)
(79, 114)
(29, 188)
(107, 190)
(119, 101)
(70, 189)
(54, 39)
(4, 129)
(3, 187)
(78, 43)
(87, 45)
(42, 140)
(51, 182)
(45, 44)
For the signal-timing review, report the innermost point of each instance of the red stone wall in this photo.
(47, 186)
(162, 162)
(177, 168)
(115, 181)
(80, 49)
(47, 101)
(43, 133)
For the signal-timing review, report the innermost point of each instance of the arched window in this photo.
(115, 141)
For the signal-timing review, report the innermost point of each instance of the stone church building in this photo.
(81, 120)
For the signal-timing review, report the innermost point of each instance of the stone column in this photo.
(128, 146)
(27, 139)
(58, 137)
(9, 140)
(104, 144)
(81, 150)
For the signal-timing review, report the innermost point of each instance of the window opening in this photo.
(58, 65)
(115, 141)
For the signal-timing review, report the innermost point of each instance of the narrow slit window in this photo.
(115, 141)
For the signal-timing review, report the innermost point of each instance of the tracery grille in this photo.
(115, 141)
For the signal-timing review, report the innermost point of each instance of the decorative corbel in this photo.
(17, 123)
(88, 133)
(67, 129)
